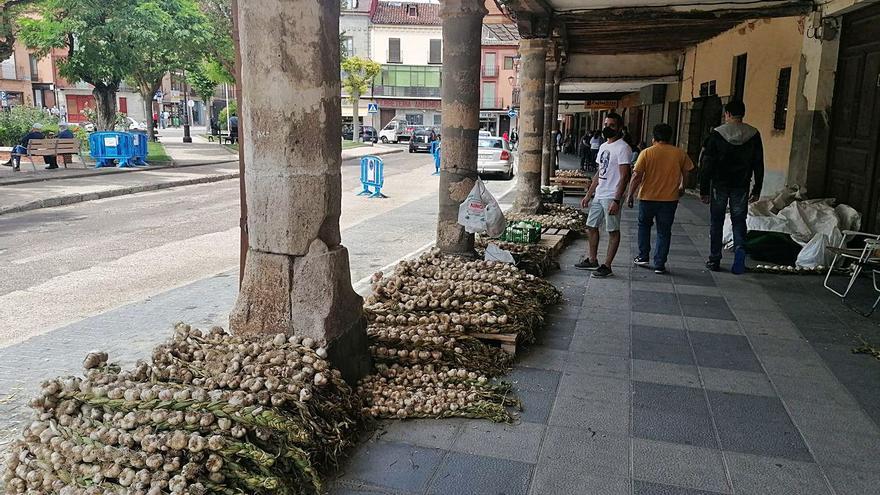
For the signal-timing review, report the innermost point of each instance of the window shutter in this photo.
(394, 50)
(435, 57)
(780, 112)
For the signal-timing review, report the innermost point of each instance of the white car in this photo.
(484, 133)
(494, 157)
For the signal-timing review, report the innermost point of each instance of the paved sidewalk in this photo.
(689, 384)
(30, 196)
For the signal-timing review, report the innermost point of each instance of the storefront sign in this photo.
(421, 104)
(600, 104)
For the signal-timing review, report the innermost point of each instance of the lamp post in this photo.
(186, 137)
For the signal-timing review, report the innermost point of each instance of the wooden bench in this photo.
(52, 147)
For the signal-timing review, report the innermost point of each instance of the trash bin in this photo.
(107, 147)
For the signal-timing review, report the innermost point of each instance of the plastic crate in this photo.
(522, 232)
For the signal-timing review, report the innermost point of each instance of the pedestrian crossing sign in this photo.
(372, 108)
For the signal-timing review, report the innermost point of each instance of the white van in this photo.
(395, 131)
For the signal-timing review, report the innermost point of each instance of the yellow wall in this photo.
(771, 44)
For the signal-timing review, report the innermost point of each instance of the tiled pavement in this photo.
(687, 384)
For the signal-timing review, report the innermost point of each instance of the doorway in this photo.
(853, 175)
(706, 115)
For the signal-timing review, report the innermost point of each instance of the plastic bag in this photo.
(495, 253)
(813, 253)
(480, 212)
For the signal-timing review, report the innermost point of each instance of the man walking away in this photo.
(584, 150)
(660, 171)
(732, 154)
(603, 199)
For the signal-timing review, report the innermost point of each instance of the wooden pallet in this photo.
(507, 341)
(574, 184)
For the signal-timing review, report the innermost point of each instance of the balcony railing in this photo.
(491, 103)
(515, 98)
(407, 91)
(489, 70)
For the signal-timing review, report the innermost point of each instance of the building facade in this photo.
(28, 80)
(498, 76)
(406, 38)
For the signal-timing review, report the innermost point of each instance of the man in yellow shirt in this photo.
(660, 171)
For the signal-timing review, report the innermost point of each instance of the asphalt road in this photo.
(60, 265)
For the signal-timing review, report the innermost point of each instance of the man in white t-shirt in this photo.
(606, 192)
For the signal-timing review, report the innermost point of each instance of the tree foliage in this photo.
(201, 82)
(101, 44)
(222, 48)
(10, 11)
(358, 74)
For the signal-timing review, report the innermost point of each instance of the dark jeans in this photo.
(663, 212)
(738, 200)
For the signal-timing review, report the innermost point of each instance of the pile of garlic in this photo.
(211, 413)
(555, 216)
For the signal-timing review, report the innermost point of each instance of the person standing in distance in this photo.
(732, 154)
(603, 199)
(660, 171)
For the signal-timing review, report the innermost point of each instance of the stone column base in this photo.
(307, 295)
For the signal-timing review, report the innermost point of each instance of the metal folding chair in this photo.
(857, 260)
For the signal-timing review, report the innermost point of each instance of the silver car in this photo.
(494, 156)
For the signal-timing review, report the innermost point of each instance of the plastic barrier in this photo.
(372, 175)
(435, 150)
(105, 147)
(139, 146)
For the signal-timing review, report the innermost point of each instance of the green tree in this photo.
(357, 75)
(100, 45)
(10, 11)
(169, 34)
(219, 15)
(201, 83)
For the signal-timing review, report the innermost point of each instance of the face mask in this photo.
(609, 133)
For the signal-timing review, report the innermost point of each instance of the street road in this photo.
(60, 265)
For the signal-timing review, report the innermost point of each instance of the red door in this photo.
(76, 104)
(123, 105)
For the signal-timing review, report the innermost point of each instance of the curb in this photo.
(378, 153)
(79, 198)
(111, 171)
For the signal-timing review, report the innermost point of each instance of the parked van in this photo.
(395, 131)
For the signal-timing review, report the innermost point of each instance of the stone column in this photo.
(462, 28)
(297, 278)
(554, 165)
(533, 53)
(546, 150)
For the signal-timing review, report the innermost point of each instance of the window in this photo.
(394, 50)
(490, 67)
(437, 120)
(35, 68)
(488, 99)
(419, 81)
(7, 68)
(707, 88)
(780, 112)
(349, 4)
(738, 92)
(415, 118)
(508, 63)
(347, 46)
(413, 10)
(436, 52)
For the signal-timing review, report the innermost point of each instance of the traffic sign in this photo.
(372, 108)
(158, 96)
(511, 113)
(191, 103)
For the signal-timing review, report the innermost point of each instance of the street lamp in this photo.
(186, 137)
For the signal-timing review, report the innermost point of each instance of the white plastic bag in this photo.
(495, 253)
(813, 253)
(480, 212)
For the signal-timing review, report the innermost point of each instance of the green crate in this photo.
(522, 232)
